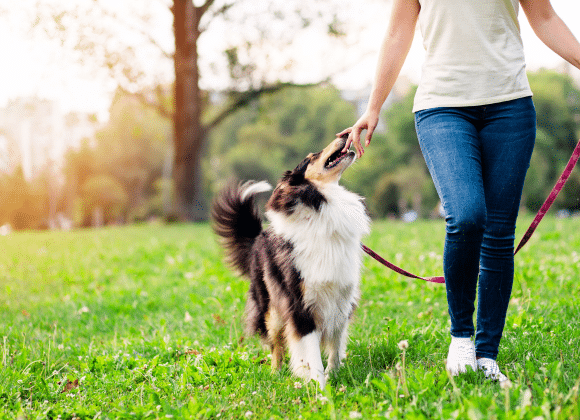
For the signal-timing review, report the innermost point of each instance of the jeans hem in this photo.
(484, 355)
(461, 335)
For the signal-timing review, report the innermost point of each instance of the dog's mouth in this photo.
(335, 159)
(338, 156)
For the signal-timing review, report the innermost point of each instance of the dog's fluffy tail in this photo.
(237, 222)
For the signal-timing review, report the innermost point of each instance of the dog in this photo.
(304, 268)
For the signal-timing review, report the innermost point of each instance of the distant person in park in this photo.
(476, 125)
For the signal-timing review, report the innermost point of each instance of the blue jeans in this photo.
(478, 157)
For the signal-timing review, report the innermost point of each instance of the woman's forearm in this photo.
(392, 54)
(393, 51)
(551, 30)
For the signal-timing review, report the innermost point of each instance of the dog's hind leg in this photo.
(275, 327)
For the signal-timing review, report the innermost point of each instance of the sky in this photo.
(33, 66)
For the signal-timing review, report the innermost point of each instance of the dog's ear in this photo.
(301, 168)
(296, 177)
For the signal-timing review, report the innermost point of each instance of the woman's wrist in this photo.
(376, 101)
(373, 111)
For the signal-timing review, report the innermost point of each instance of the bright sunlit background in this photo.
(36, 67)
(86, 107)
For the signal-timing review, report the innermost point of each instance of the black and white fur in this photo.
(304, 269)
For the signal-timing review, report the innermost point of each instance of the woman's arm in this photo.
(392, 54)
(551, 30)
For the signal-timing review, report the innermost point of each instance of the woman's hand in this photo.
(368, 121)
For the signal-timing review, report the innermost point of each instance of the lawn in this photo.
(147, 322)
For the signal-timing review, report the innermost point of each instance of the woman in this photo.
(476, 122)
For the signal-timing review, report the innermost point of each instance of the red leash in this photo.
(439, 279)
(555, 191)
(541, 213)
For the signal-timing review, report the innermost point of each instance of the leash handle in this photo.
(553, 194)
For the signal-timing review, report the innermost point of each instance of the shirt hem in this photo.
(458, 103)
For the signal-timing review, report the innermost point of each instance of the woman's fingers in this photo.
(343, 132)
(369, 136)
(354, 134)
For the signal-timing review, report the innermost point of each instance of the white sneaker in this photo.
(461, 354)
(491, 369)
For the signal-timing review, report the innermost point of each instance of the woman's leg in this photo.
(507, 139)
(452, 149)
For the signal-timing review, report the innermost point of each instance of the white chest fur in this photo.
(326, 249)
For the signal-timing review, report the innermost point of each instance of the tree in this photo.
(393, 175)
(248, 78)
(133, 149)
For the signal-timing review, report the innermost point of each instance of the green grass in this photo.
(149, 321)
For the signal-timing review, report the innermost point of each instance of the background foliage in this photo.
(123, 174)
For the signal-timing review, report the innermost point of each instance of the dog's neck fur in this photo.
(326, 242)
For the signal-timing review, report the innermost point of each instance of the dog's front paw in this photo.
(308, 374)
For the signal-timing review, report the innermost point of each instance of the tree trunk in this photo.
(189, 134)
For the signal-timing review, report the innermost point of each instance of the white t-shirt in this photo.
(474, 53)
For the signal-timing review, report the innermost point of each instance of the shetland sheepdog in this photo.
(304, 268)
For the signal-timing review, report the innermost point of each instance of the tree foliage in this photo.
(23, 204)
(104, 194)
(122, 170)
(125, 172)
(275, 133)
(393, 175)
